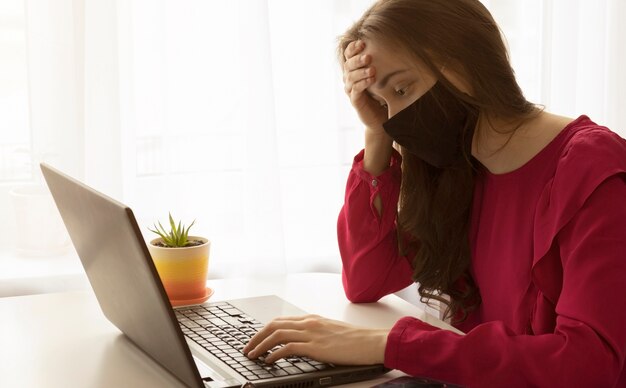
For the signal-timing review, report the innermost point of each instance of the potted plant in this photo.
(182, 262)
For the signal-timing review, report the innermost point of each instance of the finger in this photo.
(356, 76)
(361, 85)
(268, 330)
(293, 318)
(290, 349)
(356, 62)
(279, 337)
(353, 48)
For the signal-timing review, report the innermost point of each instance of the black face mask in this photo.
(431, 127)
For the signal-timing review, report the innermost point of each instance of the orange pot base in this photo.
(187, 302)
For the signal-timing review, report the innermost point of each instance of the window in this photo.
(233, 113)
(15, 147)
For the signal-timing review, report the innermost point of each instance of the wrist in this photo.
(379, 338)
(377, 135)
(378, 151)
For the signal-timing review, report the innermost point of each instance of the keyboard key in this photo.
(232, 321)
(233, 312)
(305, 367)
(292, 370)
(217, 322)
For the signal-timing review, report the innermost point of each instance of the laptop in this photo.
(201, 344)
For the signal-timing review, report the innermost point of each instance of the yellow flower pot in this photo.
(183, 271)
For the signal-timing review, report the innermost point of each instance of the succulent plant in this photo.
(176, 237)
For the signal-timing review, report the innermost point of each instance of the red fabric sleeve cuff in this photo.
(391, 173)
(393, 350)
(386, 184)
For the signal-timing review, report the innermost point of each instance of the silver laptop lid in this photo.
(121, 272)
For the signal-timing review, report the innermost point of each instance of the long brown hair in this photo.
(434, 209)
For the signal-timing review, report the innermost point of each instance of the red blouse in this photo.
(548, 244)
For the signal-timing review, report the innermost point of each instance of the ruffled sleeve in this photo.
(372, 267)
(592, 156)
(579, 268)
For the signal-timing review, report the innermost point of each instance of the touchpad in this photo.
(266, 308)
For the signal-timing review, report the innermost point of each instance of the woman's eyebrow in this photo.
(383, 82)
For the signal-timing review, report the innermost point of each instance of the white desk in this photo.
(64, 340)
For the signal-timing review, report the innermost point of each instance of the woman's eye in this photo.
(401, 92)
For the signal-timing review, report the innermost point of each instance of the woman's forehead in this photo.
(385, 57)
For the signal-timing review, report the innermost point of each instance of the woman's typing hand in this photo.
(318, 338)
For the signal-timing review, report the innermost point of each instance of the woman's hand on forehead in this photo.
(358, 75)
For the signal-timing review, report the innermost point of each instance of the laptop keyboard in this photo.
(223, 331)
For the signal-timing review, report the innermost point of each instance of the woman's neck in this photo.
(503, 145)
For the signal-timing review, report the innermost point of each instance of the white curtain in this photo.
(232, 113)
(569, 55)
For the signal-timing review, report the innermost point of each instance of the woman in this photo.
(514, 218)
